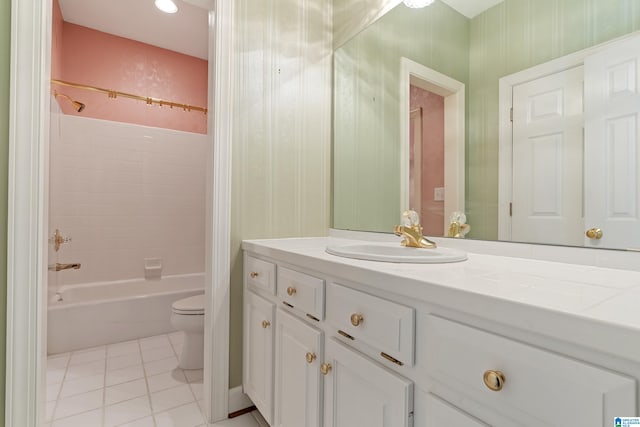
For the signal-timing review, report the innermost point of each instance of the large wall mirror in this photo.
(525, 116)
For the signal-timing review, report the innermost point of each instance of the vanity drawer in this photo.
(260, 275)
(301, 291)
(539, 387)
(382, 324)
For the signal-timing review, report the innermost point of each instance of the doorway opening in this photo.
(28, 232)
(436, 184)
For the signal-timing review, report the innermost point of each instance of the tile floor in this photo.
(130, 384)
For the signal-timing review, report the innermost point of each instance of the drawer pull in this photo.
(494, 380)
(357, 319)
(254, 274)
(266, 324)
(311, 357)
(325, 368)
(291, 291)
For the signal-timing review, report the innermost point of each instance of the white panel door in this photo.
(547, 160)
(360, 392)
(612, 145)
(258, 353)
(298, 384)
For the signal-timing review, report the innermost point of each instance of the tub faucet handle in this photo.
(60, 267)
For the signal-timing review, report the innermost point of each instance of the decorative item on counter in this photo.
(458, 226)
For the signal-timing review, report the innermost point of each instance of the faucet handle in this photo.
(410, 218)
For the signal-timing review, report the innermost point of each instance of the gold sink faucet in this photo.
(411, 230)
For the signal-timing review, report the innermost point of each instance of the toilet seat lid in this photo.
(190, 305)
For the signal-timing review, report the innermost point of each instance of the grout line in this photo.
(146, 384)
(64, 376)
(104, 390)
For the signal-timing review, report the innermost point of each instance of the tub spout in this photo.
(60, 267)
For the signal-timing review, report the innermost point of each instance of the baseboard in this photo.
(238, 400)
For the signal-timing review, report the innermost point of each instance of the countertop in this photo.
(595, 307)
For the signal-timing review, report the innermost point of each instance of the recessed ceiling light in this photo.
(417, 4)
(167, 6)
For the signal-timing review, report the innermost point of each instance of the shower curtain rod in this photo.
(114, 94)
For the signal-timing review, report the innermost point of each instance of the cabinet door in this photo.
(439, 413)
(360, 392)
(298, 384)
(258, 353)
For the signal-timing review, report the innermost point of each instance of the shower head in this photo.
(78, 106)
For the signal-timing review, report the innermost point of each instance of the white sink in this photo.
(393, 252)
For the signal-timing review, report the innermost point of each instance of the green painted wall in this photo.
(281, 135)
(5, 34)
(510, 37)
(366, 107)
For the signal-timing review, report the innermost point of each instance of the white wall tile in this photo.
(124, 193)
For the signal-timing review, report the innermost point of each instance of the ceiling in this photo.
(186, 31)
(471, 8)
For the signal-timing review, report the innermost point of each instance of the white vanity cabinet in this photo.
(353, 347)
(361, 392)
(298, 382)
(258, 352)
(523, 384)
(304, 377)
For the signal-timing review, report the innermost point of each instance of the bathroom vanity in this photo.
(491, 341)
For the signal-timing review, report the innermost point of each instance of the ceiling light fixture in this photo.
(417, 4)
(167, 6)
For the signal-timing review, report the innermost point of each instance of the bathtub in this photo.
(95, 314)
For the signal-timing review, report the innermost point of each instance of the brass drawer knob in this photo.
(594, 234)
(494, 380)
(325, 368)
(254, 274)
(357, 319)
(266, 324)
(291, 291)
(311, 357)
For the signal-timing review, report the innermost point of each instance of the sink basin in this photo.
(393, 252)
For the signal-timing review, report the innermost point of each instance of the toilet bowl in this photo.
(188, 316)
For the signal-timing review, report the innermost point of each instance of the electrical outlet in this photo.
(438, 194)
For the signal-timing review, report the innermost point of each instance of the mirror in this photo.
(499, 183)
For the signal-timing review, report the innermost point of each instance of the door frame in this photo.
(27, 211)
(453, 91)
(505, 137)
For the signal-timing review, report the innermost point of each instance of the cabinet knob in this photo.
(266, 324)
(325, 368)
(311, 357)
(594, 233)
(357, 319)
(494, 380)
(291, 291)
(254, 274)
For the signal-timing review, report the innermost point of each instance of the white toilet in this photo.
(188, 316)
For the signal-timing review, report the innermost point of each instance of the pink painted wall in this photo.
(94, 58)
(432, 212)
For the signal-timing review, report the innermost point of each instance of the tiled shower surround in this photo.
(125, 193)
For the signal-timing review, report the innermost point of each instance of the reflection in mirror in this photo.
(540, 175)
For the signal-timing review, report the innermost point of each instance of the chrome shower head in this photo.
(78, 106)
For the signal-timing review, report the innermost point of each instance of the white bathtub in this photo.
(105, 313)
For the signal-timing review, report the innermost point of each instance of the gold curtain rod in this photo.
(114, 94)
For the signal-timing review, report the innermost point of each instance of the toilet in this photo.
(188, 316)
